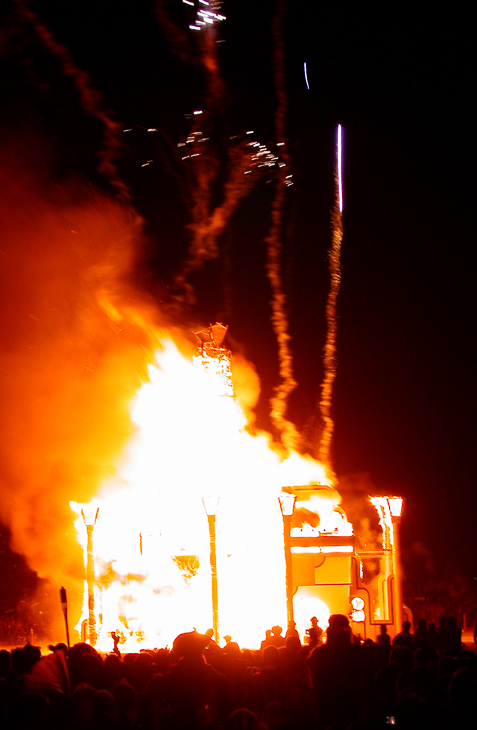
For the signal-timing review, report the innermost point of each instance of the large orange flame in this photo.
(151, 540)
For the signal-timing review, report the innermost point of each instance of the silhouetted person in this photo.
(116, 639)
(193, 688)
(462, 692)
(276, 637)
(211, 649)
(231, 647)
(267, 641)
(404, 637)
(442, 633)
(337, 674)
(421, 631)
(384, 637)
(432, 636)
(271, 656)
(4, 663)
(453, 636)
(291, 630)
(315, 633)
(292, 661)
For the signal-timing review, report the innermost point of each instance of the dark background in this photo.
(401, 86)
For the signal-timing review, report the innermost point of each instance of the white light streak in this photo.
(206, 17)
(340, 186)
(306, 76)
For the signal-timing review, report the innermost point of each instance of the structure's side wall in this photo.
(318, 569)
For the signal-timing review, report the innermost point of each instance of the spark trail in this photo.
(241, 161)
(90, 99)
(330, 362)
(201, 156)
(279, 402)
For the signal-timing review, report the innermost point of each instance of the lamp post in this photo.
(395, 508)
(287, 506)
(89, 524)
(211, 504)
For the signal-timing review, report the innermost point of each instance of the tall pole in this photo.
(213, 571)
(92, 635)
(211, 503)
(287, 506)
(397, 569)
(288, 565)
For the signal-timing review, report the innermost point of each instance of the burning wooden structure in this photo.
(161, 566)
(325, 569)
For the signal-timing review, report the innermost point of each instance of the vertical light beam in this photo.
(340, 179)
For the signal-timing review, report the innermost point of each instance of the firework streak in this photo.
(330, 362)
(279, 401)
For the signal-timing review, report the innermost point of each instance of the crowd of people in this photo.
(422, 679)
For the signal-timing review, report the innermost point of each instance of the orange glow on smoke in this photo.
(151, 539)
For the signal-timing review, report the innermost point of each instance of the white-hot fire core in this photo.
(151, 538)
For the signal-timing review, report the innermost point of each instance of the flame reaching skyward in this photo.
(331, 315)
(191, 442)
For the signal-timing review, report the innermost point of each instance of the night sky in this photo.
(400, 83)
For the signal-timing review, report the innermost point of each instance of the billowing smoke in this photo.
(355, 490)
(74, 350)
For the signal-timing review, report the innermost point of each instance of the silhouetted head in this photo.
(190, 645)
(338, 621)
(338, 629)
(270, 656)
